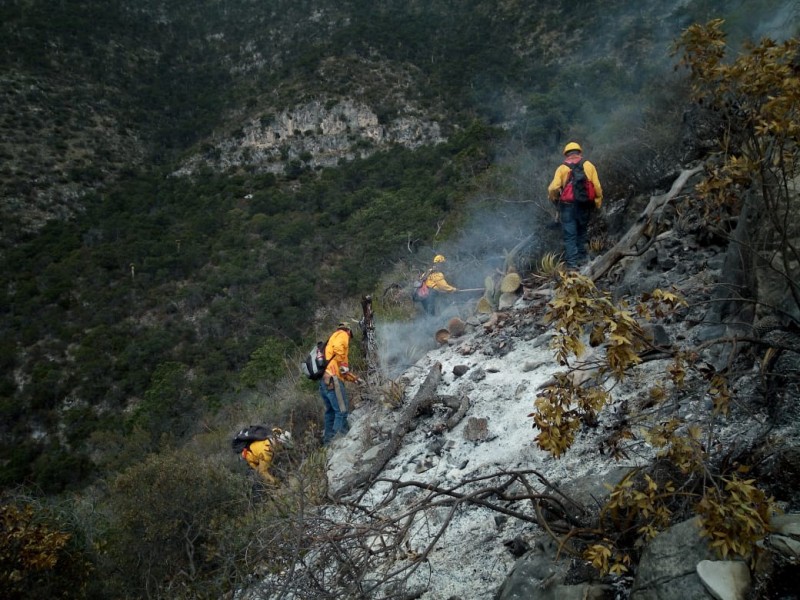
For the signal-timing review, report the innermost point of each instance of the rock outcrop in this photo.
(314, 135)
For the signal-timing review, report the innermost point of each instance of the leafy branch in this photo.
(640, 505)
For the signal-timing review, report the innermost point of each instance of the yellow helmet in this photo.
(438, 259)
(572, 146)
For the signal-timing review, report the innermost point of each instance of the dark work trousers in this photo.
(574, 225)
(429, 303)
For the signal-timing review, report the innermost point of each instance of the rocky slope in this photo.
(437, 491)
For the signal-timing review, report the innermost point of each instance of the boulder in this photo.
(668, 567)
(725, 579)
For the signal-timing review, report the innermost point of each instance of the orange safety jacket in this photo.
(337, 352)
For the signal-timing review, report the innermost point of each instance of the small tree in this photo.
(757, 98)
(733, 512)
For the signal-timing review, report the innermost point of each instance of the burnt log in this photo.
(374, 372)
(456, 417)
(425, 395)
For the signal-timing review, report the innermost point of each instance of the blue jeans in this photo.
(336, 409)
(574, 225)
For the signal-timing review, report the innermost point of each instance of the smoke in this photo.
(784, 23)
(599, 96)
(401, 344)
(512, 226)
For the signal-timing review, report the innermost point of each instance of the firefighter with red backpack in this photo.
(431, 284)
(576, 190)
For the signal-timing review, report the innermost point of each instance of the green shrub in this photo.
(169, 514)
(266, 364)
(168, 409)
(57, 469)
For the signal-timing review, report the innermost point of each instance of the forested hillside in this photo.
(113, 268)
(168, 251)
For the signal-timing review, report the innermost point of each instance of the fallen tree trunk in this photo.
(624, 247)
(425, 395)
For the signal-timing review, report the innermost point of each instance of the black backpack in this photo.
(579, 188)
(314, 365)
(248, 435)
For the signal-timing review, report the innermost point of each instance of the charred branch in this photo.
(628, 242)
(424, 396)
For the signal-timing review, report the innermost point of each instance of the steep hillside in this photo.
(94, 90)
(457, 490)
(193, 192)
(186, 155)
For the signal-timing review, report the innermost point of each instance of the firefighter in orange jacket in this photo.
(331, 386)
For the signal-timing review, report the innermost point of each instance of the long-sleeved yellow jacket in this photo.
(259, 456)
(562, 174)
(337, 351)
(436, 281)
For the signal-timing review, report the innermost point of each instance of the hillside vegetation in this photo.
(144, 314)
(113, 268)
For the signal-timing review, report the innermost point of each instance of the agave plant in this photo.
(550, 264)
(597, 244)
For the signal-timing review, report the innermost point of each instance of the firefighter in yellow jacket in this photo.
(437, 284)
(331, 386)
(574, 216)
(259, 456)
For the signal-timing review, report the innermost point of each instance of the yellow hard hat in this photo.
(438, 258)
(572, 146)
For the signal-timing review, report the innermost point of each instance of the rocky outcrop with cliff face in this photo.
(314, 135)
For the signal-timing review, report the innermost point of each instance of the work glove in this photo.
(344, 370)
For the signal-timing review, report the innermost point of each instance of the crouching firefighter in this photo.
(258, 445)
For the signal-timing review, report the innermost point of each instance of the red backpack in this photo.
(421, 289)
(579, 188)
